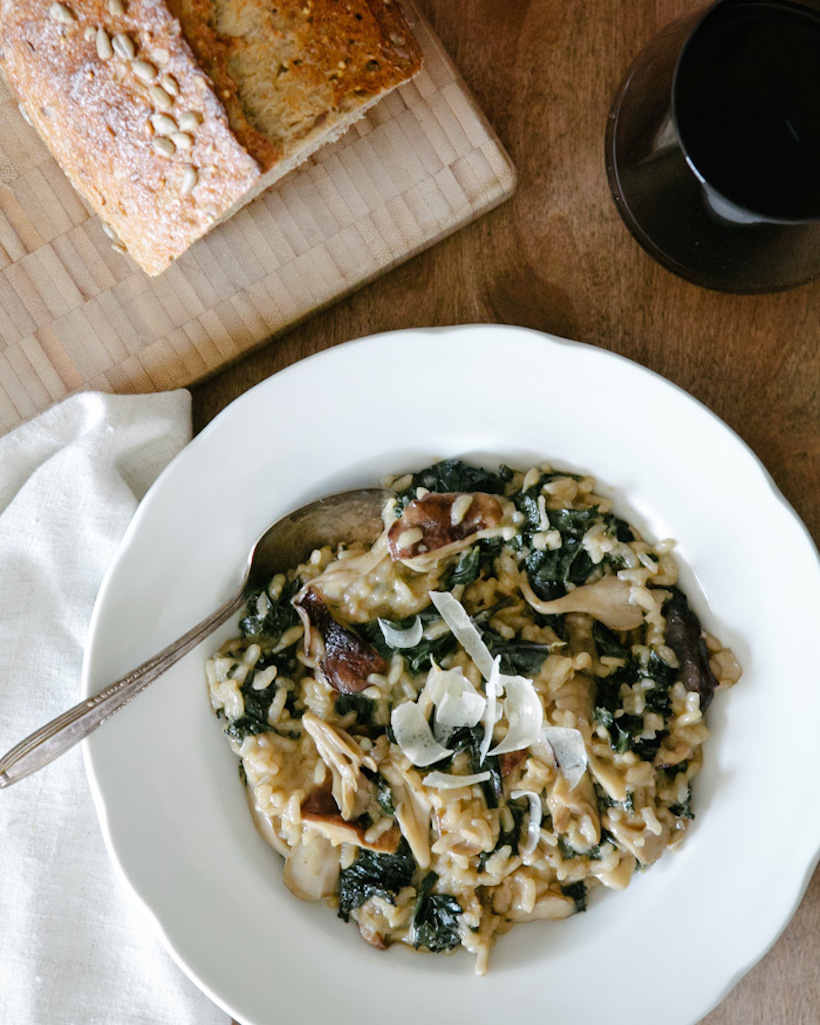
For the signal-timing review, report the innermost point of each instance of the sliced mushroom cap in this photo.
(342, 755)
(312, 868)
(509, 761)
(412, 811)
(319, 808)
(646, 844)
(608, 600)
(550, 906)
(347, 660)
(684, 635)
(440, 520)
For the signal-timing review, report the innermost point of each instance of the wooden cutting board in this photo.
(76, 315)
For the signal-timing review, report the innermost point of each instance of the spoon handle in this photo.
(57, 736)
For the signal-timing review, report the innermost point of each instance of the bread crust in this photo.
(95, 114)
(141, 109)
(324, 58)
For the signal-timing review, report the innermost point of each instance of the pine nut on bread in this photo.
(169, 115)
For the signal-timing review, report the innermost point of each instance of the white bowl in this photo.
(166, 784)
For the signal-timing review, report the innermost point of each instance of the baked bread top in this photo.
(167, 117)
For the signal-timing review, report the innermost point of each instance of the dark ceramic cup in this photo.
(713, 145)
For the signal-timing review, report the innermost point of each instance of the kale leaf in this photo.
(455, 475)
(469, 738)
(279, 617)
(435, 918)
(358, 703)
(466, 570)
(506, 838)
(625, 730)
(549, 572)
(374, 875)
(684, 809)
(419, 657)
(577, 892)
(523, 658)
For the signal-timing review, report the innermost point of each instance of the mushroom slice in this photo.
(347, 660)
(444, 523)
(312, 868)
(550, 906)
(412, 812)
(645, 843)
(608, 600)
(320, 811)
(684, 636)
(343, 756)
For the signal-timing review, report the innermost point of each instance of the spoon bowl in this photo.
(344, 517)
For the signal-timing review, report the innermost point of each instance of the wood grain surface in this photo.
(557, 258)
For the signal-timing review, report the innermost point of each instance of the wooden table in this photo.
(558, 258)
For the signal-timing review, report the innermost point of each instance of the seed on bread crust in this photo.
(163, 147)
(144, 70)
(62, 14)
(163, 124)
(160, 98)
(104, 48)
(124, 46)
(189, 180)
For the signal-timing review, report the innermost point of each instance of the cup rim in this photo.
(708, 12)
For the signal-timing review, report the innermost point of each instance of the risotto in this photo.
(476, 720)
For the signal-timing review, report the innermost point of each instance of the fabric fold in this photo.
(76, 947)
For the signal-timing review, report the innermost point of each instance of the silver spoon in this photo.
(344, 517)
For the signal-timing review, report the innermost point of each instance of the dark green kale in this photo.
(419, 657)
(454, 475)
(684, 809)
(375, 875)
(435, 918)
(566, 850)
(358, 703)
(384, 795)
(469, 738)
(527, 502)
(280, 615)
(625, 730)
(619, 528)
(577, 892)
(607, 642)
(605, 801)
(522, 658)
(595, 853)
(257, 702)
(549, 572)
(506, 838)
(466, 570)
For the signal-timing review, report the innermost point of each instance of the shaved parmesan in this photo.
(569, 750)
(534, 820)
(457, 701)
(493, 691)
(414, 736)
(396, 638)
(447, 781)
(455, 616)
(524, 713)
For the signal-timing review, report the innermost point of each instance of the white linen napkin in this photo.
(76, 947)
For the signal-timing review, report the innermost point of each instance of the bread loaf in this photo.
(169, 115)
